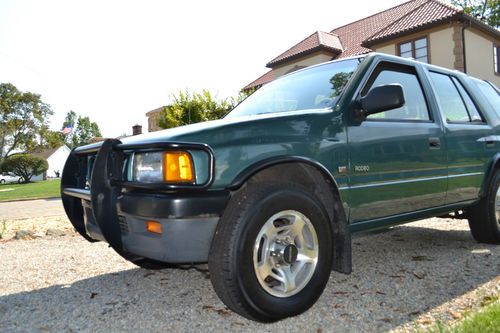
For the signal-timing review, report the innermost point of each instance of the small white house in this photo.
(56, 157)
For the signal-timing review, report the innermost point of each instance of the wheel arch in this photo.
(316, 177)
(494, 164)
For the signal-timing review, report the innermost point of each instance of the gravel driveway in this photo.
(427, 269)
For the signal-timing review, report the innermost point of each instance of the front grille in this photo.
(90, 165)
(123, 224)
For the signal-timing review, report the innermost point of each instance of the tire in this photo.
(484, 217)
(242, 255)
(20, 180)
(2, 181)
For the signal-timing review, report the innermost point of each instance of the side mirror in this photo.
(382, 98)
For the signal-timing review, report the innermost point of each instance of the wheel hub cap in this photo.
(290, 254)
(285, 253)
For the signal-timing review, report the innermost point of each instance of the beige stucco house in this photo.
(427, 30)
(154, 119)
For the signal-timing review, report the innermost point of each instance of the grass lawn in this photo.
(35, 190)
(486, 320)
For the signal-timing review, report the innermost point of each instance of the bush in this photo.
(189, 108)
(25, 166)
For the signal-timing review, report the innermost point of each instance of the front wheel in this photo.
(2, 181)
(484, 217)
(272, 253)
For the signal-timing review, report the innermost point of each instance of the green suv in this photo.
(270, 194)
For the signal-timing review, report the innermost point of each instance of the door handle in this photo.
(434, 143)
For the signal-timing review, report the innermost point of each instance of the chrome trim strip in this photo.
(410, 181)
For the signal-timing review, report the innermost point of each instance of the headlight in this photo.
(158, 167)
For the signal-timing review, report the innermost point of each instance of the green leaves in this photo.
(487, 11)
(22, 116)
(189, 108)
(83, 131)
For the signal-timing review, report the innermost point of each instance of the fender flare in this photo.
(495, 162)
(342, 247)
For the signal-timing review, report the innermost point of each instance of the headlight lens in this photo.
(169, 167)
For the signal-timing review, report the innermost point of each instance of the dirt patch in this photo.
(35, 227)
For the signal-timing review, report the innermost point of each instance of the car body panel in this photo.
(387, 172)
(404, 175)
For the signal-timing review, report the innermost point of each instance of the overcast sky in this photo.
(116, 60)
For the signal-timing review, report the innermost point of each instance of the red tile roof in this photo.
(353, 34)
(355, 38)
(267, 77)
(430, 12)
(318, 41)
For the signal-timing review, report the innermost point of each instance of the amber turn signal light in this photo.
(154, 227)
(177, 167)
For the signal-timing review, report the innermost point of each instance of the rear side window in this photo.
(469, 104)
(452, 101)
(415, 108)
(492, 96)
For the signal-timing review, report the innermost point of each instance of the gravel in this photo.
(404, 277)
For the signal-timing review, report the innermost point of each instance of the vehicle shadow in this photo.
(398, 275)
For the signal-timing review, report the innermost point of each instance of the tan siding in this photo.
(313, 59)
(153, 121)
(479, 56)
(388, 49)
(440, 45)
(441, 48)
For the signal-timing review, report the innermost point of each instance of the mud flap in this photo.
(342, 249)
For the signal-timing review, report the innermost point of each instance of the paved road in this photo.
(31, 209)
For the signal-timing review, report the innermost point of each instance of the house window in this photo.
(416, 49)
(496, 58)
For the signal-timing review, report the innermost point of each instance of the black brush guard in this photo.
(107, 183)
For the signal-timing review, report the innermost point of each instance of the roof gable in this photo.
(46, 153)
(265, 78)
(353, 34)
(357, 37)
(318, 41)
(430, 12)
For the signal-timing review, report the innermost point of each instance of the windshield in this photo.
(315, 88)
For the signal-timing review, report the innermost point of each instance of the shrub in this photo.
(25, 165)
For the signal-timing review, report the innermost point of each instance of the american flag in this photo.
(67, 129)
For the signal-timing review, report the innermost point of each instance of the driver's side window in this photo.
(415, 107)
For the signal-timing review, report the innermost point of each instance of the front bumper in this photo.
(115, 211)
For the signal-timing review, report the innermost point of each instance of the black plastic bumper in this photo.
(111, 211)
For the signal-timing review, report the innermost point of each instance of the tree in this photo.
(46, 139)
(189, 108)
(487, 11)
(338, 82)
(22, 115)
(25, 165)
(82, 130)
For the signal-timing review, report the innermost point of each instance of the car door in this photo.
(397, 157)
(469, 137)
